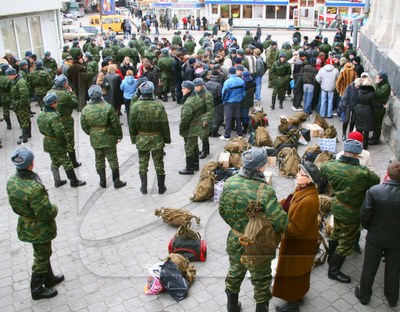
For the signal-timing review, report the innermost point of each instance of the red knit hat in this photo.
(329, 61)
(355, 135)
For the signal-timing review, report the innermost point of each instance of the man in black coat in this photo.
(214, 86)
(177, 70)
(380, 215)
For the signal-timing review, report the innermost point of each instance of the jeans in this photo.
(326, 103)
(308, 90)
(258, 81)
(232, 110)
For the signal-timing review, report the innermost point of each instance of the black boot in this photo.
(8, 122)
(173, 97)
(356, 246)
(102, 175)
(24, 137)
(233, 304)
(288, 307)
(29, 131)
(357, 292)
(57, 180)
(189, 166)
(165, 97)
(52, 279)
(72, 156)
(332, 247)
(117, 182)
(143, 180)
(281, 104)
(196, 163)
(73, 181)
(161, 184)
(37, 289)
(273, 102)
(334, 269)
(262, 307)
(206, 150)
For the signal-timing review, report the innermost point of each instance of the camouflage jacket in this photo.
(266, 43)
(51, 126)
(75, 51)
(29, 199)
(115, 48)
(92, 68)
(100, 122)
(149, 55)
(148, 125)
(20, 93)
(106, 52)
(25, 74)
(246, 41)
(86, 46)
(207, 97)
(135, 56)
(40, 81)
(270, 56)
(279, 73)
(165, 64)
(51, 66)
(237, 193)
(64, 55)
(5, 85)
(189, 46)
(191, 116)
(288, 52)
(349, 182)
(176, 39)
(382, 93)
(67, 102)
(326, 48)
(94, 50)
(122, 52)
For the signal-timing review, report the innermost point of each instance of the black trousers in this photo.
(298, 95)
(372, 259)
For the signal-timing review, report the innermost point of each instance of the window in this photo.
(281, 12)
(225, 11)
(36, 35)
(7, 31)
(235, 11)
(258, 11)
(343, 11)
(247, 11)
(270, 11)
(21, 28)
(214, 8)
(331, 10)
(356, 12)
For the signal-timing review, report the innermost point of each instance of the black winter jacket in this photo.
(365, 108)
(214, 86)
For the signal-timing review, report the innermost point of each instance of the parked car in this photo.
(66, 21)
(70, 32)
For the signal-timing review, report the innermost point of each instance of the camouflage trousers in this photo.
(279, 91)
(68, 123)
(23, 117)
(41, 257)
(110, 153)
(158, 160)
(205, 132)
(191, 146)
(6, 104)
(40, 99)
(60, 158)
(346, 235)
(260, 274)
(168, 85)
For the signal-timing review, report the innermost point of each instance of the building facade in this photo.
(31, 25)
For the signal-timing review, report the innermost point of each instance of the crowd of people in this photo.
(216, 84)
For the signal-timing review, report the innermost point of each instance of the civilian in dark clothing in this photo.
(218, 45)
(177, 72)
(308, 74)
(298, 82)
(188, 69)
(248, 101)
(357, 66)
(114, 95)
(214, 86)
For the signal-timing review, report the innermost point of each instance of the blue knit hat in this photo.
(22, 158)
(188, 85)
(254, 158)
(50, 99)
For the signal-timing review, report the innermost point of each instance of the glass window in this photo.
(235, 11)
(36, 35)
(7, 31)
(225, 11)
(310, 3)
(270, 11)
(331, 10)
(343, 11)
(21, 28)
(281, 12)
(258, 11)
(214, 8)
(247, 11)
(356, 12)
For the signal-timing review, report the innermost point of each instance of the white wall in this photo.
(24, 6)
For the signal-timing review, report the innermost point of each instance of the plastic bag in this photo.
(172, 280)
(153, 285)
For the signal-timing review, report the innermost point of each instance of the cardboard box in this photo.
(315, 130)
(271, 161)
(223, 158)
(268, 177)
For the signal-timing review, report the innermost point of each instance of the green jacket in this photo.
(94, 50)
(28, 198)
(51, 126)
(176, 39)
(192, 116)
(51, 66)
(270, 56)
(75, 51)
(148, 125)
(106, 52)
(266, 43)
(40, 81)
(238, 191)
(100, 122)
(115, 48)
(122, 53)
(382, 93)
(92, 68)
(165, 64)
(326, 48)
(289, 54)
(86, 46)
(5, 85)
(20, 94)
(279, 73)
(349, 182)
(207, 97)
(246, 41)
(67, 102)
(64, 55)
(189, 46)
(296, 47)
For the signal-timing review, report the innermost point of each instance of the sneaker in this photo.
(335, 114)
(224, 138)
(297, 109)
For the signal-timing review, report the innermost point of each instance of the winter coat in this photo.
(382, 93)
(346, 77)
(365, 109)
(308, 74)
(114, 93)
(348, 101)
(259, 67)
(187, 72)
(327, 76)
(128, 87)
(233, 90)
(214, 86)
(248, 101)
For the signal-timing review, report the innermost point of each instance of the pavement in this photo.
(107, 238)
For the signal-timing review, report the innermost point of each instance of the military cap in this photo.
(108, 58)
(50, 99)
(60, 80)
(240, 51)
(69, 57)
(302, 54)
(232, 71)
(88, 55)
(254, 158)
(39, 64)
(282, 54)
(352, 146)
(326, 39)
(47, 53)
(188, 85)
(28, 53)
(22, 158)
(251, 47)
(208, 49)
(232, 51)
(107, 43)
(11, 71)
(88, 39)
(268, 36)
(274, 43)
(65, 47)
(75, 43)
(115, 40)
(240, 67)
(337, 56)
(198, 82)
(5, 66)
(296, 40)
(147, 87)
(178, 32)
(23, 63)
(94, 92)
(217, 66)
(164, 51)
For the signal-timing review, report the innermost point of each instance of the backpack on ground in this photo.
(288, 162)
(323, 157)
(312, 152)
(175, 217)
(262, 137)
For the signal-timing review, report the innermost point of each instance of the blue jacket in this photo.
(128, 87)
(234, 90)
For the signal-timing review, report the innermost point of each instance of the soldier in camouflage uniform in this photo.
(65, 52)
(75, 51)
(349, 182)
(134, 54)
(207, 117)
(50, 64)
(107, 51)
(40, 82)
(191, 126)
(149, 53)
(100, 121)
(238, 191)
(55, 143)
(176, 39)
(165, 64)
(94, 50)
(247, 38)
(287, 49)
(20, 101)
(115, 48)
(92, 68)
(67, 102)
(5, 89)
(24, 70)
(267, 42)
(279, 76)
(28, 198)
(86, 44)
(189, 45)
(122, 53)
(150, 137)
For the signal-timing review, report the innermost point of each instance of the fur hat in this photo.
(188, 85)
(254, 158)
(22, 158)
(94, 92)
(147, 87)
(50, 99)
(198, 82)
(352, 146)
(60, 80)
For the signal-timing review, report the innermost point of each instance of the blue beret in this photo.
(147, 87)
(188, 85)
(11, 71)
(254, 158)
(60, 80)
(94, 92)
(50, 99)
(22, 158)
(352, 146)
(198, 82)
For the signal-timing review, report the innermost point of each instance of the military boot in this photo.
(38, 291)
(72, 156)
(262, 307)
(161, 184)
(173, 96)
(332, 247)
(233, 304)
(280, 104)
(206, 150)
(143, 181)
(334, 269)
(288, 307)
(117, 182)
(165, 97)
(73, 181)
(189, 169)
(24, 137)
(52, 279)
(273, 102)
(56, 175)
(29, 131)
(102, 175)
(8, 122)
